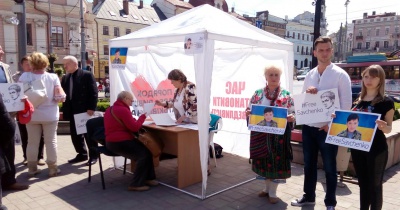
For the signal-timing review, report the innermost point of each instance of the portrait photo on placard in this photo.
(268, 119)
(193, 43)
(12, 94)
(118, 58)
(316, 108)
(352, 129)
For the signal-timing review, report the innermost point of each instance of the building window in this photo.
(302, 50)
(396, 30)
(376, 44)
(116, 31)
(367, 45)
(294, 35)
(385, 44)
(369, 32)
(106, 51)
(386, 31)
(295, 63)
(396, 43)
(128, 31)
(308, 37)
(302, 37)
(28, 34)
(360, 32)
(57, 36)
(298, 36)
(377, 32)
(298, 49)
(105, 30)
(359, 45)
(288, 34)
(306, 50)
(218, 6)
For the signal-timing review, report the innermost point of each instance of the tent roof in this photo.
(216, 24)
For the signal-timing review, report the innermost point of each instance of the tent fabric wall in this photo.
(233, 51)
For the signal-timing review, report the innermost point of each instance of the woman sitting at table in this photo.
(119, 128)
(185, 99)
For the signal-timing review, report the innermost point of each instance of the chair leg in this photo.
(101, 173)
(125, 166)
(213, 151)
(90, 173)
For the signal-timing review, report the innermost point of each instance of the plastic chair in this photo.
(93, 126)
(215, 126)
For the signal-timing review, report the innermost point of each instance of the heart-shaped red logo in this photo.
(145, 93)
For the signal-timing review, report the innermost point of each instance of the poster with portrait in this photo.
(355, 130)
(350, 32)
(193, 44)
(118, 58)
(82, 118)
(316, 108)
(268, 119)
(12, 94)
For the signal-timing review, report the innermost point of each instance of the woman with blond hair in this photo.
(44, 118)
(271, 153)
(370, 166)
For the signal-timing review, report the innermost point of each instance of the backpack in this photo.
(218, 151)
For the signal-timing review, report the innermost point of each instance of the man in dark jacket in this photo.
(7, 127)
(80, 88)
(8, 178)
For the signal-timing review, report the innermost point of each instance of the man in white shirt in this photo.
(325, 76)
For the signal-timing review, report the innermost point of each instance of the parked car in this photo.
(302, 76)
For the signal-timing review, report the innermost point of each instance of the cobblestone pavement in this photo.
(71, 190)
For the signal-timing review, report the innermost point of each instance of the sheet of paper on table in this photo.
(163, 119)
(189, 126)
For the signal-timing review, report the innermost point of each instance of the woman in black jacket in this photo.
(7, 130)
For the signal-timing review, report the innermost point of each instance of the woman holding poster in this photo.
(270, 153)
(370, 166)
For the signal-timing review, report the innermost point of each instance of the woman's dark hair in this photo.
(177, 74)
(25, 58)
(268, 109)
(352, 116)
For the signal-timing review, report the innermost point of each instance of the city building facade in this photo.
(115, 18)
(376, 33)
(300, 32)
(59, 38)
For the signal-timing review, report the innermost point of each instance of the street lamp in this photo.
(345, 41)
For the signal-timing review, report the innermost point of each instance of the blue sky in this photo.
(335, 11)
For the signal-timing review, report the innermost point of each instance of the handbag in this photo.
(153, 144)
(36, 91)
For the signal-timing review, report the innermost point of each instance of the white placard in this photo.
(315, 108)
(81, 119)
(194, 44)
(12, 94)
(147, 107)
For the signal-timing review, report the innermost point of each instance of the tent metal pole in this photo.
(237, 185)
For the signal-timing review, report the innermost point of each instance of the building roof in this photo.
(179, 3)
(197, 3)
(113, 10)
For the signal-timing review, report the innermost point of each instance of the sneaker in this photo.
(330, 208)
(302, 202)
(41, 162)
(25, 162)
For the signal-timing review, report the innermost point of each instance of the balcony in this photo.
(359, 37)
(396, 35)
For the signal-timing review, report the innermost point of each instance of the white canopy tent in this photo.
(232, 60)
